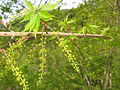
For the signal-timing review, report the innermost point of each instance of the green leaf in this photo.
(21, 83)
(61, 23)
(46, 19)
(27, 27)
(45, 14)
(92, 28)
(83, 30)
(29, 5)
(66, 19)
(27, 16)
(37, 25)
(105, 31)
(71, 21)
(49, 6)
(33, 21)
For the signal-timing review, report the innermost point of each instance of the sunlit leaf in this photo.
(27, 16)
(33, 21)
(105, 31)
(61, 22)
(92, 28)
(83, 30)
(49, 6)
(45, 14)
(37, 24)
(29, 5)
(46, 19)
(27, 27)
(71, 21)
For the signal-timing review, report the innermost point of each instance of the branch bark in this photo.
(14, 34)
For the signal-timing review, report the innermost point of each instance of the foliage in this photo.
(41, 63)
(10, 7)
(36, 15)
(65, 23)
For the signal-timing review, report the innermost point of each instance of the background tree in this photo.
(66, 62)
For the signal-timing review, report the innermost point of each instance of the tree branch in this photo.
(14, 34)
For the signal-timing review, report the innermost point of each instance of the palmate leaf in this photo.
(29, 5)
(34, 16)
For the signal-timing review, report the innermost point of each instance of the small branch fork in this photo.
(14, 34)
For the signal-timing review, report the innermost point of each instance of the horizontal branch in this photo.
(14, 34)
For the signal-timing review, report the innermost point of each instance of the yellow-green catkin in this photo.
(30, 53)
(68, 53)
(10, 58)
(42, 58)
